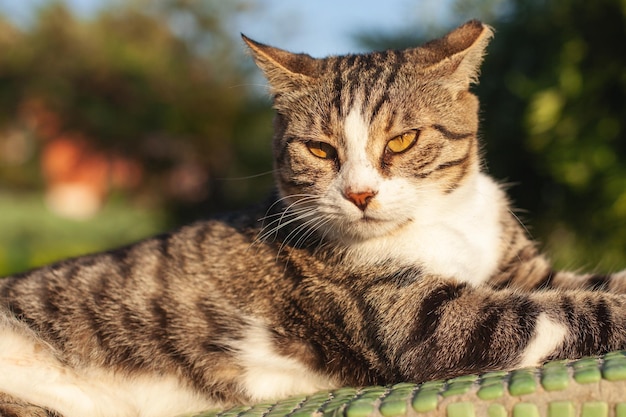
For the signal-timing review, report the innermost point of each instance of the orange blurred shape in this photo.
(78, 176)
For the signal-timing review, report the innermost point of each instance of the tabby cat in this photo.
(385, 255)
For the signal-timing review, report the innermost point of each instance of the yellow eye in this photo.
(402, 142)
(321, 149)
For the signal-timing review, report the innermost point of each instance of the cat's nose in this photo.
(360, 199)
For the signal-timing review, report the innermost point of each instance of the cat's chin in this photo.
(367, 228)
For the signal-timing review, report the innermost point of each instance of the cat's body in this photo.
(387, 256)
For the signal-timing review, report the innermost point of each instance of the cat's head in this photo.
(366, 143)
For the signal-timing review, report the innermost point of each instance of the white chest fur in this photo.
(455, 236)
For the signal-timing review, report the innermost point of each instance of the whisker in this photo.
(312, 230)
(306, 218)
(279, 223)
(295, 203)
(262, 174)
(321, 243)
(308, 231)
(247, 85)
(306, 197)
(294, 233)
(290, 211)
(282, 224)
(520, 222)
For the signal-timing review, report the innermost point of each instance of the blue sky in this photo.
(319, 27)
(323, 27)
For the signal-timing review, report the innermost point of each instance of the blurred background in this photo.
(121, 119)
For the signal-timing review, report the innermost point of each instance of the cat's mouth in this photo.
(367, 227)
(369, 219)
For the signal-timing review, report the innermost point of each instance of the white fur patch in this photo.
(31, 372)
(269, 375)
(455, 235)
(356, 128)
(357, 172)
(548, 336)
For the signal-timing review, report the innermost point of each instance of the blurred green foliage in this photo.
(162, 84)
(553, 99)
(159, 86)
(32, 235)
(554, 107)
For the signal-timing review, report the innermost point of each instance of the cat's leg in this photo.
(11, 407)
(456, 328)
(33, 379)
(522, 266)
(613, 282)
(529, 270)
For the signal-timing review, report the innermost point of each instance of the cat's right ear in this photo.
(284, 70)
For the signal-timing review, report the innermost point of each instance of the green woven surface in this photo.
(589, 387)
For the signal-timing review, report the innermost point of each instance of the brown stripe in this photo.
(337, 86)
(390, 121)
(427, 320)
(445, 165)
(599, 282)
(452, 135)
(604, 320)
(390, 79)
(478, 349)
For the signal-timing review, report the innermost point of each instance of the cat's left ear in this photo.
(455, 59)
(284, 70)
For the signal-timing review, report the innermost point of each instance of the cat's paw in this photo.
(10, 407)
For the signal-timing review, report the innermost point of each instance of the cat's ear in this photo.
(456, 57)
(284, 70)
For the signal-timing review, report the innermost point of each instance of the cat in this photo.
(386, 254)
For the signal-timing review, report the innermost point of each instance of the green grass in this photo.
(31, 235)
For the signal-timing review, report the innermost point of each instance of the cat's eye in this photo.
(321, 149)
(402, 142)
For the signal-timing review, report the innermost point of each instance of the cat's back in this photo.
(200, 269)
(205, 247)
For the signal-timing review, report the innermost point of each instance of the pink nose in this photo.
(360, 199)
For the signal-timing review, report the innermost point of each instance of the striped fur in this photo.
(373, 264)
